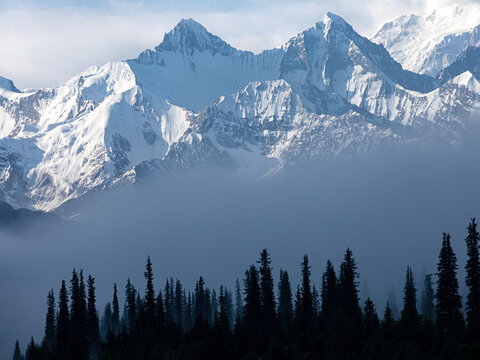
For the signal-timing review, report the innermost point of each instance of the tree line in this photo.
(259, 319)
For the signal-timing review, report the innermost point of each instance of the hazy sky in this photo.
(45, 43)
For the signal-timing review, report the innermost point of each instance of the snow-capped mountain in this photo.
(427, 44)
(194, 100)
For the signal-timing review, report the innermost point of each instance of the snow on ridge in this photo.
(427, 44)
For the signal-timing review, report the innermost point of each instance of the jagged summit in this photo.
(327, 93)
(189, 35)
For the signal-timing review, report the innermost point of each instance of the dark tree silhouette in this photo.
(285, 310)
(473, 281)
(409, 315)
(50, 326)
(447, 312)
(17, 354)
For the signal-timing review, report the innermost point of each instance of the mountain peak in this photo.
(189, 35)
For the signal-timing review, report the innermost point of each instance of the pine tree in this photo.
(267, 296)
(50, 327)
(149, 293)
(329, 291)
(447, 314)
(315, 301)
(473, 280)
(17, 354)
(160, 312)
(92, 319)
(348, 286)
(63, 321)
(428, 307)
(409, 315)
(370, 318)
(285, 311)
(115, 311)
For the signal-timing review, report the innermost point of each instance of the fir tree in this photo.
(428, 307)
(448, 316)
(329, 290)
(267, 296)
(149, 303)
(131, 306)
(17, 354)
(115, 311)
(252, 307)
(79, 348)
(370, 318)
(178, 303)
(50, 327)
(473, 280)
(63, 321)
(348, 286)
(107, 326)
(92, 319)
(409, 315)
(304, 311)
(31, 351)
(238, 302)
(285, 311)
(222, 319)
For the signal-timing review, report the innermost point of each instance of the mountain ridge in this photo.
(328, 92)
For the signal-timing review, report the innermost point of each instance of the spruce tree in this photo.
(473, 281)
(115, 311)
(63, 322)
(149, 303)
(304, 313)
(252, 308)
(285, 311)
(78, 346)
(267, 296)
(348, 286)
(17, 354)
(428, 306)
(329, 291)
(92, 319)
(409, 315)
(50, 327)
(222, 320)
(131, 306)
(238, 302)
(447, 312)
(31, 351)
(178, 303)
(107, 326)
(370, 318)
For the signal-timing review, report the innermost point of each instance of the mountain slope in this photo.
(195, 100)
(428, 44)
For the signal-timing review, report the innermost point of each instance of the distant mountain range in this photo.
(195, 100)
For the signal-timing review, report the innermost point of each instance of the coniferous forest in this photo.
(260, 319)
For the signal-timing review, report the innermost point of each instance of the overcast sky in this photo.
(44, 45)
